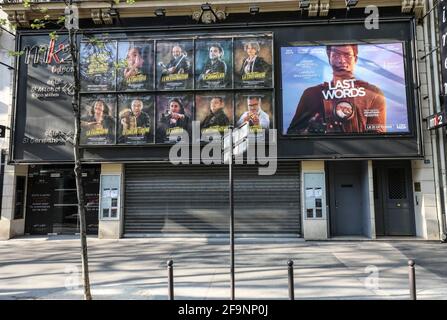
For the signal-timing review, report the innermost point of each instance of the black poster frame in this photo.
(408, 146)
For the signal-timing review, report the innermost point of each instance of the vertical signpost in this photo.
(439, 119)
(442, 14)
(442, 23)
(234, 145)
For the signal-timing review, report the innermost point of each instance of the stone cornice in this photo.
(145, 8)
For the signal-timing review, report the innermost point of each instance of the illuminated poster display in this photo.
(214, 65)
(214, 111)
(135, 65)
(98, 65)
(174, 117)
(175, 61)
(98, 119)
(136, 119)
(253, 62)
(256, 108)
(344, 89)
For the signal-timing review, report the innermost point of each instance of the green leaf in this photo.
(15, 53)
(53, 35)
(61, 20)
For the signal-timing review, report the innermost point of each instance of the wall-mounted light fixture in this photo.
(351, 3)
(254, 9)
(103, 16)
(160, 12)
(20, 18)
(304, 4)
(208, 14)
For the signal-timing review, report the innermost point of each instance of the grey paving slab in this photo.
(48, 268)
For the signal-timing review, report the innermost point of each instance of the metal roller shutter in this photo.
(193, 200)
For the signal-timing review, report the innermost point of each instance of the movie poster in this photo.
(98, 65)
(253, 62)
(344, 89)
(98, 119)
(136, 121)
(135, 65)
(214, 111)
(256, 108)
(174, 117)
(214, 65)
(175, 67)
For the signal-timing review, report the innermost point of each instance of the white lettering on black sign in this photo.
(443, 33)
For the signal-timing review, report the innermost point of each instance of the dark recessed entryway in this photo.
(51, 205)
(345, 198)
(393, 198)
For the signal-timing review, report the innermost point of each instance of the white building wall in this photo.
(8, 226)
(426, 202)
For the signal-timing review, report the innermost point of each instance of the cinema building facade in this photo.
(347, 100)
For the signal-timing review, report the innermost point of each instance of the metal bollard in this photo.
(171, 280)
(291, 284)
(412, 279)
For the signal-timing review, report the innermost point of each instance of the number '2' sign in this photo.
(437, 120)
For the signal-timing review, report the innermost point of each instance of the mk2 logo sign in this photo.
(437, 120)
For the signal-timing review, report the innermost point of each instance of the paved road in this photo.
(48, 268)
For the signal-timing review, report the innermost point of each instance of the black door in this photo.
(345, 199)
(52, 201)
(65, 210)
(393, 199)
(38, 218)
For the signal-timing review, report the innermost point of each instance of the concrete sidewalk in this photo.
(48, 268)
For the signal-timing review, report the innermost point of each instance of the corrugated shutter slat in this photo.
(193, 199)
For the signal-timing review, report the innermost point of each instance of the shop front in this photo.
(333, 105)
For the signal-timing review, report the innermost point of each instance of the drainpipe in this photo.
(438, 135)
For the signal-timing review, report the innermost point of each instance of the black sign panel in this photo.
(2, 131)
(443, 34)
(44, 117)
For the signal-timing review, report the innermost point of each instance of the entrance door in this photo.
(345, 199)
(65, 211)
(393, 199)
(52, 200)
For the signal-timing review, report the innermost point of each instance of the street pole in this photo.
(231, 214)
(76, 152)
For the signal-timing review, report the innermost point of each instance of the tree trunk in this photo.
(78, 167)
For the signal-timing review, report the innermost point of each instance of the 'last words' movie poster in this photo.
(344, 89)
